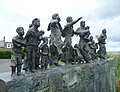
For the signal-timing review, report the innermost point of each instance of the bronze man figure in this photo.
(32, 43)
(101, 42)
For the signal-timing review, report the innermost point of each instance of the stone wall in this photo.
(94, 77)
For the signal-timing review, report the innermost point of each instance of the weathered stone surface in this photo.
(93, 77)
(3, 87)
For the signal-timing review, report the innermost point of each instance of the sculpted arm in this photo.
(45, 42)
(72, 23)
(18, 42)
(48, 29)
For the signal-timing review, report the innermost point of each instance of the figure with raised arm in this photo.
(56, 42)
(68, 33)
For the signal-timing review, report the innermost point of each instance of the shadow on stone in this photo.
(3, 87)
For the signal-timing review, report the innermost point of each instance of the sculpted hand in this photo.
(79, 18)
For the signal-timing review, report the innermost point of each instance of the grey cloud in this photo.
(107, 9)
(114, 38)
(14, 17)
(113, 44)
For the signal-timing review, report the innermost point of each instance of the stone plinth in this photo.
(93, 77)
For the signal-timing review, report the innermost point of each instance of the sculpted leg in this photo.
(13, 69)
(18, 70)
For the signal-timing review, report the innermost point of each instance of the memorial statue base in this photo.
(98, 76)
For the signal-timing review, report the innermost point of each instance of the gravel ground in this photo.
(4, 65)
(5, 69)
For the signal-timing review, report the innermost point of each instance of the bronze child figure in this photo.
(16, 59)
(44, 51)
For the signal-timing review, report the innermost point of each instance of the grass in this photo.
(5, 49)
(116, 58)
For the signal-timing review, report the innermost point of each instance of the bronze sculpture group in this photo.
(38, 54)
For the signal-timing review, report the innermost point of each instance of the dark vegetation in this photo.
(5, 53)
(116, 58)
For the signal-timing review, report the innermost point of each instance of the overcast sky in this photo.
(98, 14)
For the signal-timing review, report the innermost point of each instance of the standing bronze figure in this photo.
(84, 34)
(56, 42)
(68, 33)
(32, 43)
(16, 59)
(92, 48)
(101, 42)
(44, 50)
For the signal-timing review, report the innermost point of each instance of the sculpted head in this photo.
(41, 32)
(36, 22)
(82, 23)
(56, 16)
(104, 31)
(87, 28)
(69, 19)
(91, 38)
(20, 31)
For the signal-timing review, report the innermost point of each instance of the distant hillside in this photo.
(113, 52)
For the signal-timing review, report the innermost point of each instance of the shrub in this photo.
(5, 53)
